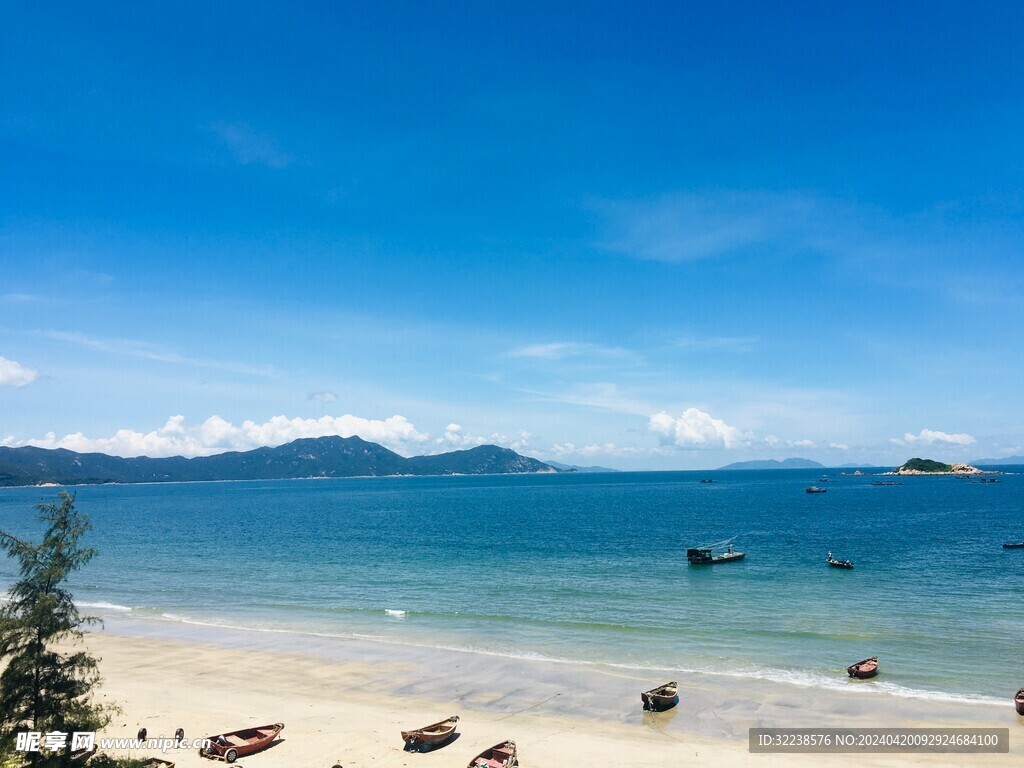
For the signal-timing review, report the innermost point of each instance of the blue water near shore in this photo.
(585, 569)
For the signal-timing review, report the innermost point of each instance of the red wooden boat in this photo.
(663, 697)
(1018, 701)
(431, 735)
(499, 756)
(235, 744)
(864, 669)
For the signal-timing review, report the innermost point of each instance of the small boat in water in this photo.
(1018, 701)
(235, 744)
(864, 669)
(499, 756)
(707, 481)
(1014, 545)
(815, 489)
(661, 698)
(705, 555)
(431, 735)
(839, 563)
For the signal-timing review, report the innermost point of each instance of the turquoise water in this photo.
(584, 569)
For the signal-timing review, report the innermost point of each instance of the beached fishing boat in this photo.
(501, 755)
(81, 756)
(815, 489)
(1018, 701)
(705, 555)
(235, 744)
(156, 762)
(1014, 545)
(864, 669)
(839, 563)
(663, 697)
(431, 735)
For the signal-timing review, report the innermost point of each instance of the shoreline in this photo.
(206, 681)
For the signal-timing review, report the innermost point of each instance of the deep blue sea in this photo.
(585, 568)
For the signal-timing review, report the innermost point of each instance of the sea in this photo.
(582, 569)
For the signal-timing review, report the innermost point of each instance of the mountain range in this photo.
(998, 462)
(775, 464)
(308, 457)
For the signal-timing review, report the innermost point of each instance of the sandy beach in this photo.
(349, 706)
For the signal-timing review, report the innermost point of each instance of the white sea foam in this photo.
(395, 613)
(104, 606)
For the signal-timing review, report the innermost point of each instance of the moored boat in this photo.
(1018, 701)
(864, 669)
(838, 563)
(501, 755)
(705, 555)
(663, 697)
(232, 745)
(1014, 545)
(815, 489)
(431, 735)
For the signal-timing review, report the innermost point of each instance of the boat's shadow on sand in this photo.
(433, 747)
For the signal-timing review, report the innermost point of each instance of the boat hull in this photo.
(862, 670)
(661, 698)
(1018, 701)
(1014, 545)
(844, 564)
(232, 745)
(503, 755)
(431, 735)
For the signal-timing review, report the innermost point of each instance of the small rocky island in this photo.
(930, 467)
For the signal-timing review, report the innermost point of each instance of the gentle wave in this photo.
(801, 678)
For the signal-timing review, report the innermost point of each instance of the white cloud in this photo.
(249, 146)
(839, 446)
(695, 429)
(563, 349)
(455, 438)
(216, 435)
(324, 397)
(14, 374)
(931, 436)
(562, 450)
(805, 443)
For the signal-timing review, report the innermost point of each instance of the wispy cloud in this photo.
(600, 395)
(251, 147)
(14, 374)
(560, 350)
(147, 351)
(324, 397)
(931, 436)
(735, 343)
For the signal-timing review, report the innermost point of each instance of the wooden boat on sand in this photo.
(839, 563)
(864, 669)
(156, 762)
(235, 744)
(1018, 701)
(661, 698)
(501, 755)
(81, 756)
(431, 735)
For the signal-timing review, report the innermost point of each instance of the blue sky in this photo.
(643, 235)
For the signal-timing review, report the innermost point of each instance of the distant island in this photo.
(319, 457)
(576, 468)
(775, 464)
(999, 462)
(931, 467)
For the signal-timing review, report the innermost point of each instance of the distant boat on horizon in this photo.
(815, 489)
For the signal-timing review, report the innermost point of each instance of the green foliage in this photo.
(927, 465)
(45, 686)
